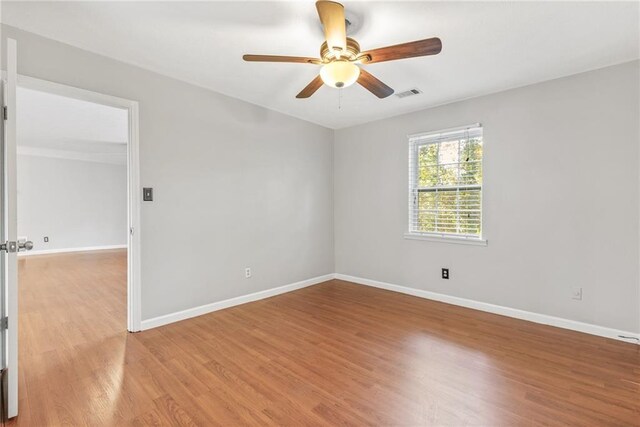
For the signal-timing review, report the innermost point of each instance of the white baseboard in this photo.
(498, 309)
(215, 306)
(462, 302)
(67, 250)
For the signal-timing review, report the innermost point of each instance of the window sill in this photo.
(443, 239)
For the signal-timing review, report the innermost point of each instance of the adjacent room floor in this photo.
(332, 354)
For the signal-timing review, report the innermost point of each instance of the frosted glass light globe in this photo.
(340, 74)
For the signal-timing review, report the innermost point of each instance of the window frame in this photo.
(415, 141)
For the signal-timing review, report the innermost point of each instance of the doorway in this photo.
(94, 258)
(72, 208)
(103, 134)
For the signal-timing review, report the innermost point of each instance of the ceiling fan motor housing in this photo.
(350, 54)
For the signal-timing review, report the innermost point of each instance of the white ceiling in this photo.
(55, 126)
(487, 46)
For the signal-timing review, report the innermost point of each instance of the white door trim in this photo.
(134, 294)
(11, 274)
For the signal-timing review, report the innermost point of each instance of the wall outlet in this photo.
(576, 293)
(247, 272)
(46, 239)
(445, 273)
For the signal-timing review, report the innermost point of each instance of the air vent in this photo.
(410, 92)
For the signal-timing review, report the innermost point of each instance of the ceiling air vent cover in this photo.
(410, 92)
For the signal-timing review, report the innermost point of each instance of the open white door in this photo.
(3, 271)
(8, 235)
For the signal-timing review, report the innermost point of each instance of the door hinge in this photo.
(4, 112)
(9, 246)
(4, 323)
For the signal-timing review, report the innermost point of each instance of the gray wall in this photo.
(560, 200)
(75, 203)
(235, 184)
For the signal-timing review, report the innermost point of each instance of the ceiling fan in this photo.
(340, 55)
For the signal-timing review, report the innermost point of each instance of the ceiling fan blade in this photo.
(431, 46)
(373, 85)
(335, 30)
(311, 88)
(279, 58)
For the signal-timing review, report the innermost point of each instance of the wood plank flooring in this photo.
(331, 354)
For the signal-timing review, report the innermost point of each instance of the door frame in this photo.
(9, 193)
(134, 288)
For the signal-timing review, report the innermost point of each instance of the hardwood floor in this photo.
(332, 354)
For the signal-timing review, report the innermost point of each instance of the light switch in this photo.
(147, 194)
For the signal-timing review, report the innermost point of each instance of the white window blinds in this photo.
(445, 183)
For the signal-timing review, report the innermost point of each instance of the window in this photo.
(445, 184)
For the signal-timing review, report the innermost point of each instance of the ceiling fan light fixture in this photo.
(339, 74)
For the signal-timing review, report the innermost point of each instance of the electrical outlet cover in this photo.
(576, 293)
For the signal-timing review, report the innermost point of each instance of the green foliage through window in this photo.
(446, 183)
